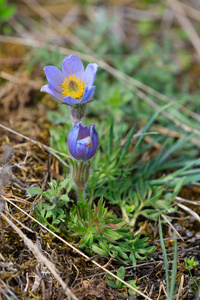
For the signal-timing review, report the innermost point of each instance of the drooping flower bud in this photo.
(83, 141)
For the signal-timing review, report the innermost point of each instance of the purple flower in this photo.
(73, 85)
(83, 141)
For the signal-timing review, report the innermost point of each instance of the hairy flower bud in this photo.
(83, 141)
(77, 113)
(81, 173)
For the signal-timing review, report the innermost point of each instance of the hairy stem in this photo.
(81, 195)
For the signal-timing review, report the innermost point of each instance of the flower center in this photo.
(73, 86)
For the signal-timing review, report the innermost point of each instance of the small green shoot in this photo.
(6, 11)
(191, 263)
(54, 213)
(170, 284)
(116, 284)
(53, 195)
(194, 283)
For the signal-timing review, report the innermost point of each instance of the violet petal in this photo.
(73, 65)
(90, 73)
(54, 76)
(70, 101)
(88, 94)
(56, 94)
(83, 148)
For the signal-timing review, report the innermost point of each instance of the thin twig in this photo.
(164, 217)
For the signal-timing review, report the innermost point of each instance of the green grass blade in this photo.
(110, 145)
(174, 147)
(127, 143)
(148, 125)
(174, 270)
(164, 255)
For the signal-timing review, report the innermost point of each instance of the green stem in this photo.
(81, 195)
(136, 214)
(125, 215)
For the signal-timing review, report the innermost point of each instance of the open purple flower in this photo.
(83, 141)
(73, 85)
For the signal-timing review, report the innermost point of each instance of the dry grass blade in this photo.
(16, 220)
(18, 199)
(47, 16)
(191, 12)
(79, 252)
(160, 290)
(172, 227)
(16, 79)
(6, 292)
(164, 290)
(42, 146)
(138, 14)
(162, 130)
(186, 24)
(189, 211)
(40, 257)
(187, 201)
(143, 96)
(180, 287)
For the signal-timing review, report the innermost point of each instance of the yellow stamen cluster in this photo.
(73, 86)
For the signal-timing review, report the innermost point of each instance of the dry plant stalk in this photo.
(170, 224)
(41, 258)
(189, 211)
(186, 24)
